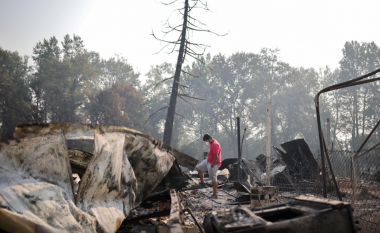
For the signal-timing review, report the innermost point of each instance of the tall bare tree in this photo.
(188, 26)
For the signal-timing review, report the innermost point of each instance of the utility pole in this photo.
(268, 143)
(239, 149)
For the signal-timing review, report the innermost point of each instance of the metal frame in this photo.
(322, 144)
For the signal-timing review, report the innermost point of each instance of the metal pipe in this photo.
(195, 220)
(242, 141)
(239, 149)
(365, 141)
(332, 173)
(367, 151)
(321, 147)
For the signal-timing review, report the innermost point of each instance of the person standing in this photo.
(211, 164)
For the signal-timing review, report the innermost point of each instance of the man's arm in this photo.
(214, 160)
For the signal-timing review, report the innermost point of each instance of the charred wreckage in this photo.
(61, 177)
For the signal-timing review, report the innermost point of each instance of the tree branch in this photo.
(162, 82)
(169, 3)
(204, 30)
(184, 95)
(180, 115)
(190, 74)
(184, 99)
(154, 113)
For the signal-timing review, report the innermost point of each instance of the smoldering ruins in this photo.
(62, 177)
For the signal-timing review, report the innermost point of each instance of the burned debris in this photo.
(304, 214)
(296, 168)
(37, 185)
(132, 182)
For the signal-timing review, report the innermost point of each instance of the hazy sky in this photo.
(308, 33)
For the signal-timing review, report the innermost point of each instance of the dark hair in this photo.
(207, 137)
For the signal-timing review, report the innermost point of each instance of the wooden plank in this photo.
(174, 219)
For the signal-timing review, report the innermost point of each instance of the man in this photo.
(211, 164)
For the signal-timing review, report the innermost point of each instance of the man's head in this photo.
(207, 138)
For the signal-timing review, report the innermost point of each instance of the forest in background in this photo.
(68, 83)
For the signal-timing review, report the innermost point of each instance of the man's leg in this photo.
(202, 167)
(200, 173)
(213, 173)
(215, 187)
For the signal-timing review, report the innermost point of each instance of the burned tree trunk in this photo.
(173, 98)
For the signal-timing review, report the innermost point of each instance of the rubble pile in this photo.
(296, 168)
(304, 214)
(63, 177)
(37, 187)
(195, 199)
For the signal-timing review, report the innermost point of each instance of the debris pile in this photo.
(63, 177)
(296, 168)
(37, 187)
(304, 214)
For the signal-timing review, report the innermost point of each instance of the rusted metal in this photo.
(349, 83)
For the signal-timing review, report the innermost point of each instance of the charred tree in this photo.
(186, 47)
(173, 98)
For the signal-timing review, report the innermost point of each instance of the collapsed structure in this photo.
(126, 180)
(37, 189)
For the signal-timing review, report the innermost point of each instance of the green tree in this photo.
(63, 79)
(359, 103)
(117, 69)
(120, 105)
(15, 96)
